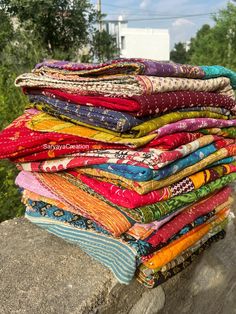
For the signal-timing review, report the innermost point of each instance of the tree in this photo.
(202, 47)
(62, 26)
(29, 32)
(179, 54)
(103, 46)
(217, 44)
(6, 29)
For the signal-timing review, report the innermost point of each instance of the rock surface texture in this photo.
(41, 274)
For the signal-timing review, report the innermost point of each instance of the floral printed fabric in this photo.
(135, 66)
(143, 158)
(104, 118)
(121, 66)
(217, 70)
(138, 136)
(189, 165)
(143, 105)
(163, 158)
(152, 280)
(132, 199)
(83, 200)
(17, 141)
(126, 85)
(165, 143)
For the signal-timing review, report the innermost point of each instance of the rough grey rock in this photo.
(42, 274)
(150, 303)
(209, 284)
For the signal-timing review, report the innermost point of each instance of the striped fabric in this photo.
(114, 253)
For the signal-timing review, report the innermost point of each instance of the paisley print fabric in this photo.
(147, 186)
(217, 70)
(179, 264)
(142, 159)
(131, 199)
(144, 105)
(121, 66)
(17, 140)
(94, 117)
(68, 190)
(125, 85)
(131, 159)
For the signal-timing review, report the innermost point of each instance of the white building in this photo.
(149, 43)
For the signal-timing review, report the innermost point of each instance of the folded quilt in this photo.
(121, 66)
(113, 123)
(134, 66)
(126, 85)
(146, 159)
(171, 251)
(114, 253)
(85, 115)
(143, 105)
(211, 71)
(190, 125)
(152, 280)
(169, 174)
(195, 151)
(226, 160)
(36, 190)
(119, 255)
(169, 232)
(168, 142)
(80, 199)
(51, 151)
(132, 199)
(219, 110)
(226, 132)
(42, 122)
(18, 140)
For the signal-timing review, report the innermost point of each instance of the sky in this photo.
(175, 15)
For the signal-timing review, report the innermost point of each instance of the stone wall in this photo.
(40, 273)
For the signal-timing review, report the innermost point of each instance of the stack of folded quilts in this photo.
(130, 159)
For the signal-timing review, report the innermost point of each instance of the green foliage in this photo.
(103, 46)
(30, 31)
(62, 26)
(19, 52)
(10, 195)
(6, 28)
(179, 54)
(217, 44)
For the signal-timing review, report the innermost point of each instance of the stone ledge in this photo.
(40, 273)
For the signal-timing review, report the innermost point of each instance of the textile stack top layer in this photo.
(130, 159)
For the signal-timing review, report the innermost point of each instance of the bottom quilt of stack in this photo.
(167, 246)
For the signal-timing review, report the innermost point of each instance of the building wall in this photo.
(145, 43)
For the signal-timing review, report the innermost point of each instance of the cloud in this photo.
(182, 22)
(144, 4)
